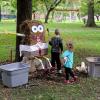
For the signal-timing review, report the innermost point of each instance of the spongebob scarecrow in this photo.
(33, 47)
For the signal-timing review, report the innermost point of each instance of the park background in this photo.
(71, 18)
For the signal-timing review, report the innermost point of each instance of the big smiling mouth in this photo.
(37, 38)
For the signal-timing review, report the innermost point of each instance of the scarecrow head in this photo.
(34, 32)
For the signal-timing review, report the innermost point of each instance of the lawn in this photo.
(86, 89)
(86, 42)
(7, 26)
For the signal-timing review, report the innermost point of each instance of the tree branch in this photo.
(54, 4)
(46, 4)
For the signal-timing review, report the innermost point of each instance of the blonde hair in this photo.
(70, 45)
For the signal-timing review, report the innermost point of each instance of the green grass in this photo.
(86, 43)
(7, 26)
(86, 40)
(86, 89)
(7, 43)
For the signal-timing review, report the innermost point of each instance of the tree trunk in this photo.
(24, 12)
(47, 16)
(52, 7)
(90, 20)
(97, 16)
(0, 13)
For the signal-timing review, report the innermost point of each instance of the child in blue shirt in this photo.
(68, 62)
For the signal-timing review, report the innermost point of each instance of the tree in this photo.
(84, 7)
(0, 10)
(14, 3)
(0, 13)
(50, 6)
(24, 12)
(97, 9)
(7, 6)
(14, 6)
(36, 6)
(90, 20)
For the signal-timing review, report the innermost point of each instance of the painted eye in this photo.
(34, 29)
(40, 28)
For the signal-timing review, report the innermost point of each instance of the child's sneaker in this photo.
(52, 69)
(67, 82)
(59, 71)
(74, 79)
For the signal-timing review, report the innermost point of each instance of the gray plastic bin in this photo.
(93, 64)
(14, 74)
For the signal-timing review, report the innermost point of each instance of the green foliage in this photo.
(37, 5)
(51, 4)
(10, 5)
(34, 5)
(97, 7)
(84, 7)
(14, 4)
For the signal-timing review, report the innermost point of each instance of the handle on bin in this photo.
(97, 64)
